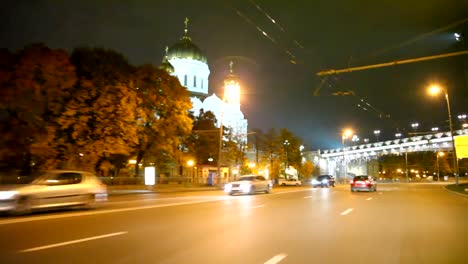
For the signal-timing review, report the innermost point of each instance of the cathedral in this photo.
(186, 61)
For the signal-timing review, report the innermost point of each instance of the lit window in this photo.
(194, 81)
(185, 80)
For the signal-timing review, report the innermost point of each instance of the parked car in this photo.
(249, 184)
(289, 182)
(363, 183)
(58, 188)
(323, 181)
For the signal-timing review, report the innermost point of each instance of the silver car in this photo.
(249, 184)
(58, 188)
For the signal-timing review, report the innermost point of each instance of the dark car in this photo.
(323, 181)
(363, 183)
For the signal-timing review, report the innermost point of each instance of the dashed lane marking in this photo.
(258, 206)
(276, 259)
(368, 199)
(71, 242)
(347, 211)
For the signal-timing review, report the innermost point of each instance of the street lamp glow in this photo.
(415, 125)
(434, 89)
(347, 133)
(190, 163)
(376, 132)
(398, 135)
(441, 154)
(435, 129)
(457, 36)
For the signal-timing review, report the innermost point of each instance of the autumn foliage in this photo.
(60, 110)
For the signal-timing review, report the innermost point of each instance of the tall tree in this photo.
(163, 115)
(33, 85)
(100, 119)
(203, 143)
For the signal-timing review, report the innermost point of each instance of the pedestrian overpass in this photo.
(361, 159)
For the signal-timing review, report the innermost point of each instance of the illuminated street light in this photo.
(457, 36)
(434, 129)
(286, 148)
(398, 135)
(415, 125)
(377, 133)
(347, 133)
(434, 90)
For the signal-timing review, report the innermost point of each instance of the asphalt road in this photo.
(400, 223)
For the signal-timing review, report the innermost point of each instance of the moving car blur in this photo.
(289, 182)
(53, 189)
(249, 184)
(363, 183)
(323, 181)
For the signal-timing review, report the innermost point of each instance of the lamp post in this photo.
(377, 133)
(462, 119)
(286, 149)
(435, 90)
(346, 134)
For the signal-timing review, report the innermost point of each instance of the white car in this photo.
(53, 189)
(289, 182)
(249, 184)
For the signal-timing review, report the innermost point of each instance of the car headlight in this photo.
(325, 181)
(227, 187)
(7, 195)
(315, 182)
(245, 187)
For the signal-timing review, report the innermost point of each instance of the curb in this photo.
(454, 192)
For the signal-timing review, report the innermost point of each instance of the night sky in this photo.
(279, 85)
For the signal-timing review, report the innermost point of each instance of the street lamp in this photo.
(434, 129)
(462, 119)
(398, 135)
(377, 133)
(415, 126)
(286, 148)
(439, 154)
(347, 133)
(435, 90)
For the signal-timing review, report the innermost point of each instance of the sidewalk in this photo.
(158, 188)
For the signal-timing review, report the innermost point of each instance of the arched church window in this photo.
(194, 81)
(185, 80)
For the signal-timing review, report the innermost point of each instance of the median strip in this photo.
(71, 242)
(347, 211)
(276, 259)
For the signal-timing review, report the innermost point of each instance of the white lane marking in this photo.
(71, 242)
(380, 192)
(347, 211)
(368, 199)
(307, 197)
(258, 206)
(276, 259)
(108, 211)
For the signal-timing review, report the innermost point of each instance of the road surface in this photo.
(400, 223)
